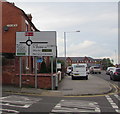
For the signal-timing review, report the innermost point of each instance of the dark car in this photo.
(115, 74)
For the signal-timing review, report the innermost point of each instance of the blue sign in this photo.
(39, 60)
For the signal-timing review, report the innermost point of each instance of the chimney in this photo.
(29, 16)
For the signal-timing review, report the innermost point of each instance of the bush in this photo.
(43, 68)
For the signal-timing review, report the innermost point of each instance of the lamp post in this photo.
(65, 44)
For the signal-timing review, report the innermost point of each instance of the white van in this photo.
(79, 70)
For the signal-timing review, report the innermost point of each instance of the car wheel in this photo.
(86, 77)
(72, 78)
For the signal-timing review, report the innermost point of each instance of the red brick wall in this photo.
(8, 74)
(10, 15)
(0, 26)
(43, 80)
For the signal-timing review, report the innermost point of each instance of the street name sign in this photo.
(31, 43)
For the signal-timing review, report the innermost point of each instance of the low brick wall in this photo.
(8, 74)
(43, 80)
(9, 77)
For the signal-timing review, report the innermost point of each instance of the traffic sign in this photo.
(40, 60)
(36, 43)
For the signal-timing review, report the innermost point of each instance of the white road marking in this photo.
(9, 111)
(76, 106)
(14, 105)
(114, 105)
(118, 97)
(17, 101)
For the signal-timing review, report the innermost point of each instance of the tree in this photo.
(62, 62)
(43, 67)
(106, 62)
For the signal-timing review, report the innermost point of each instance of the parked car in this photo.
(115, 74)
(95, 69)
(109, 69)
(69, 70)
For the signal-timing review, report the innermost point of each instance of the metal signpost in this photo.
(20, 84)
(35, 72)
(52, 72)
(36, 44)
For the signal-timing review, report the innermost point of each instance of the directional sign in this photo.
(58, 65)
(36, 43)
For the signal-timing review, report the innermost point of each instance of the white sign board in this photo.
(36, 43)
(59, 66)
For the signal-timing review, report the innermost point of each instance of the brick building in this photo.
(88, 60)
(15, 20)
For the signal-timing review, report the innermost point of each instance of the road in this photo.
(107, 78)
(53, 104)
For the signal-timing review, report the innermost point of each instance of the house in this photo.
(73, 60)
(15, 20)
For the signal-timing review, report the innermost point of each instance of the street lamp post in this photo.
(65, 44)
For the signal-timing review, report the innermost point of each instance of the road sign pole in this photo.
(35, 72)
(56, 75)
(52, 72)
(20, 77)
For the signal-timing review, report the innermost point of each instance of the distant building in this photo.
(88, 60)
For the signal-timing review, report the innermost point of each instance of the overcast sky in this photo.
(97, 22)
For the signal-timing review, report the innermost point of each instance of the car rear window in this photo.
(117, 70)
(79, 66)
(97, 67)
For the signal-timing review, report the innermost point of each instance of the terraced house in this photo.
(73, 60)
(15, 20)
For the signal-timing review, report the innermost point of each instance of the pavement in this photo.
(67, 87)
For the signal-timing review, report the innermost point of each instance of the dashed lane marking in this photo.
(114, 105)
(118, 97)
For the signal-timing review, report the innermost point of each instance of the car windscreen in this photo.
(70, 68)
(117, 70)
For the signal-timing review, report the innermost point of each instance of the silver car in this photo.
(95, 69)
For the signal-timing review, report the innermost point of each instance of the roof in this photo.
(78, 58)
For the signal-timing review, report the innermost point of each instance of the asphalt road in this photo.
(107, 78)
(107, 103)
(53, 104)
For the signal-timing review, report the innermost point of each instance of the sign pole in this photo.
(52, 72)
(35, 72)
(20, 80)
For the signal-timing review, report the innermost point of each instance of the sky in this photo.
(97, 21)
